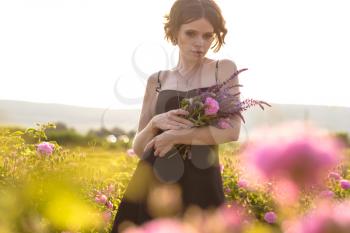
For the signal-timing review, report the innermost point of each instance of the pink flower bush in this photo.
(212, 106)
(45, 148)
(292, 152)
(270, 217)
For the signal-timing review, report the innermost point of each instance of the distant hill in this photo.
(82, 119)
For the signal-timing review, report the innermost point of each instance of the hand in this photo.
(162, 143)
(171, 120)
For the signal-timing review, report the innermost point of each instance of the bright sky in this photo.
(99, 53)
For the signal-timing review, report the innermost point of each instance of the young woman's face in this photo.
(195, 38)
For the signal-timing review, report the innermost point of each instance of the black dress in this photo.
(199, 176)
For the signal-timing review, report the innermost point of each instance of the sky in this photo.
(100, 53)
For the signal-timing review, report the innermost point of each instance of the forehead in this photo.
(201, 25)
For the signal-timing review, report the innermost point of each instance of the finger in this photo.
(149, 145)
(156, 153)
(179, 111)
(176, 125)
(165, 151)
(183, 121)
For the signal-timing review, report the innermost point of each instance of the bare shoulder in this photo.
(153, 79)
(226, 68)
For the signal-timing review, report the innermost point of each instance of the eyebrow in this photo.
(193, 30)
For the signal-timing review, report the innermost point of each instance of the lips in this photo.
(198, 52)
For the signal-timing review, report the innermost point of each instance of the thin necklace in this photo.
(187, 152)
(187, 81)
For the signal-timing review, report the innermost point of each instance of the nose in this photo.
(199, 41)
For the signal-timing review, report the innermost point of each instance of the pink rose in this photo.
(212, 106)
(45, 148)
(270, 217)
(131, 152)
(345, 184)
(227, 190)
(109, 205)
(101, 198)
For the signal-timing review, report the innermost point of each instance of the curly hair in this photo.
(186, 11)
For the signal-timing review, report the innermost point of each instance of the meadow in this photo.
(47, 187)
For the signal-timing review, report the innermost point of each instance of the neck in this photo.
(185, 65)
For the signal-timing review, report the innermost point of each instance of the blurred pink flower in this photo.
(101, 198)
(212, 106)
(232, 217)
(106, 216)
(291, 152)
(345, 184)
(327, 217)
(221, 168)
(242, 183)
(327, 194)
(45, 148)
(109, 205)
(163, 225)
(270, 217)
(110, 189)
(131, 152)
(334, 175)
(224, 124)
(227, 190)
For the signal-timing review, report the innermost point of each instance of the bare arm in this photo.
(146, 131)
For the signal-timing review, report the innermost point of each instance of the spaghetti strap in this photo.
(159, 84)
(216, 71)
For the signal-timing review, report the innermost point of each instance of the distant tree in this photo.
(131, 133)
(60, 126)
(103, 132)
(343, 137)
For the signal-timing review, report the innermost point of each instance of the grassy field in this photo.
(78, 189)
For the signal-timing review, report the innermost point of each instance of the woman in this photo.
(194, 26)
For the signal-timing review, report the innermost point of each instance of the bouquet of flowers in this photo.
(216, 105)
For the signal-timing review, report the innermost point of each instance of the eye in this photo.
(208, 36)
(190, 33)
